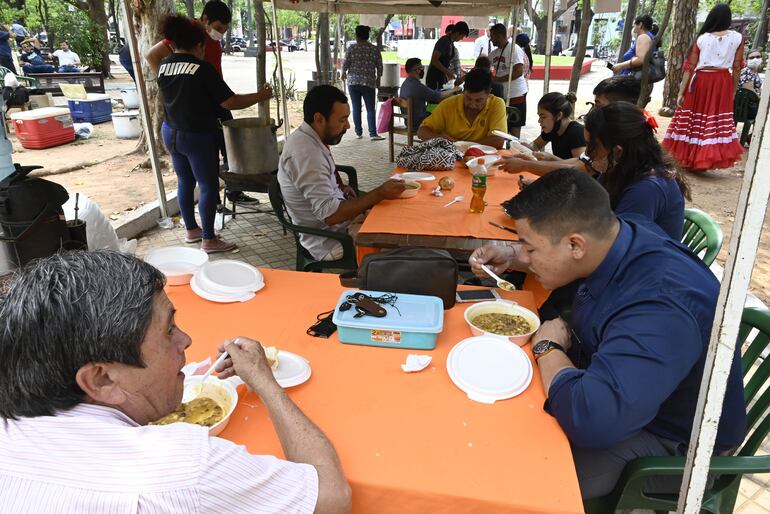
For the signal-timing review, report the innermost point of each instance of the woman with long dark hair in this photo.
(702, 133)
(193, 93)
(639, 177)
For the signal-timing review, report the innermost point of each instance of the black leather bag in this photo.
(422, 271)
(657, 68)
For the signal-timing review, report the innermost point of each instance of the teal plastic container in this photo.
(414, 322)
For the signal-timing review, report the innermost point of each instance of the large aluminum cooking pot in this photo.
(391, 74)
(251, 145)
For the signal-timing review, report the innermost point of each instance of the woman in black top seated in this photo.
(193, 93)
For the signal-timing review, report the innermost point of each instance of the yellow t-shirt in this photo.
(449, 118)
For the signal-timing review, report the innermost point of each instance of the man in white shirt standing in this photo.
(68, 60)
(508, 59)
(482, 45)
(78, 390)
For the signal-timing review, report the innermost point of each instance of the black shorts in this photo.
(517, 114)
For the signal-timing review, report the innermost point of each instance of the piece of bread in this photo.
(271, 352)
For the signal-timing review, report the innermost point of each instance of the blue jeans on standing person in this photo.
(195, 156)
(367, 93)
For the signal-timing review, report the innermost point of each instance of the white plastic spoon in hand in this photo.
(457, 199)
(502, 284)
(515, 142)
(196, 389)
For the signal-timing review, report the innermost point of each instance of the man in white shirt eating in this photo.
(91, 354)
(69, 61)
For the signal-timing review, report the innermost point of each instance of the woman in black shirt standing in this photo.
(192, 92)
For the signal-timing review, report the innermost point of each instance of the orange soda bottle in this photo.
(479, 186)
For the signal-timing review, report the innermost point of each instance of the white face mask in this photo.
(755, 62)
(215, 35)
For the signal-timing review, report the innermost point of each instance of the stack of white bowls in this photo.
(226, 281)
(178, 263)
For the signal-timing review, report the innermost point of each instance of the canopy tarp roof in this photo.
(424, 7)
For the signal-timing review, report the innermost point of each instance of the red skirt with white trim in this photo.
(702, 133)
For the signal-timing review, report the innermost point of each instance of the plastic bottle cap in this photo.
(480, 162)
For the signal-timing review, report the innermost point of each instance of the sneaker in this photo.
(221, 209)
(377, 138)
(242, 198)
(217, 245)
(193, 236)
(359, 136)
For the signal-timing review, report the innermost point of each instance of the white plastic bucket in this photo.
(126, 124)
(130, 98)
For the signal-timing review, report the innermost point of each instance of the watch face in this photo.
(540, 347)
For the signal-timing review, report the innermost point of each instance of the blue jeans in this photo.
(367, 93)
(70, 68)
(195, 156)
(37, 68)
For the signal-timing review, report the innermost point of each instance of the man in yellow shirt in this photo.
(471, 116)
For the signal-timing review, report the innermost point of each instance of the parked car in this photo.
(573, 49)
(238, 44)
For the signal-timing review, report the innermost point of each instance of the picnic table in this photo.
(409, 443)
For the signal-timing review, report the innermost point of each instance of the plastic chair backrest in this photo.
(702, 234)
(755, 329)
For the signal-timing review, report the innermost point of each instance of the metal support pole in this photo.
(744, 238)
(282, 85)
(548, 45)
(144, 107)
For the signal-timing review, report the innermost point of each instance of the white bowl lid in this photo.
(229, 276)
(489, 369)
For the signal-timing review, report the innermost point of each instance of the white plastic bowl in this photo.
(178, 263)
(224, 392)
(488, 161)
(410, 193)
(489, 150)
(502, 307)
(462, 146)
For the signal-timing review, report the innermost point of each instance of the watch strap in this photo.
(552, 345)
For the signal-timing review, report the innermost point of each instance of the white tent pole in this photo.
(548, 45)
(281, 84)
(514, 21)
(744, 238)
(144, 108)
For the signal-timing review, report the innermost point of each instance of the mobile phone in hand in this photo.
(610, 64)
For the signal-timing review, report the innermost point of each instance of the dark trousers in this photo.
(367, 93)
(195, 156)
(7, 62)
(125, 61)
(37, 68)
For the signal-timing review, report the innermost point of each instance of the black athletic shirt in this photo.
(192, 91)
(562, 145)
(446, 48)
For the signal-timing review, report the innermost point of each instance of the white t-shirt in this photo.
(67, 58)
(481, 46)
(499, 58)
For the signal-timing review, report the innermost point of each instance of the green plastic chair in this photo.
(305, 261)
(701, 233)
(28, 82)
(720, 498)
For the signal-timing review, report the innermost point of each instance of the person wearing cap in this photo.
(440, 69)
(32, 59)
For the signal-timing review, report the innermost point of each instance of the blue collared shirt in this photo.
(659, 200)
(641, 325)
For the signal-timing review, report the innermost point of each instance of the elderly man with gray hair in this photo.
(90, 355)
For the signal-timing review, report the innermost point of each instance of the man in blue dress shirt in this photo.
(623, 380)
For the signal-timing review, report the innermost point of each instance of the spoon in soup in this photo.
(196, 389)
(502, 284)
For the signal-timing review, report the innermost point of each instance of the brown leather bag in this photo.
(421, 271)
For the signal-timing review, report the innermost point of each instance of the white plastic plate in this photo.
(219, 298)
(226, 276)
(292, 369)
(417, 175)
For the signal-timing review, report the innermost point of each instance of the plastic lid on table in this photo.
(411, 313)
(43, 112)
(489, 369)
(230, 277)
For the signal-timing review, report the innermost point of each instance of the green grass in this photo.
(557, 60)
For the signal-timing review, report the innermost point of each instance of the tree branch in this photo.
(80, 4)
(557, 14)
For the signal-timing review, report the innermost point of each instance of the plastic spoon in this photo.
(502, 284)
(515, 143)
(457, 199)
(196, 389)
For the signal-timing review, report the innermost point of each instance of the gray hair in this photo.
(64, 312)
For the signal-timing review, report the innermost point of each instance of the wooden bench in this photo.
(49, 82)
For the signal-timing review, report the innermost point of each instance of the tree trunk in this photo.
(381, 31)
(586, 15)
(760, 40)
(148, 16)
(628, 25)
(541, 27)
(682, 36)
(113, 14)
(99, 18)
(324, 56)
(228, 40)
(261, 36)
(540, 21)
(190, 5)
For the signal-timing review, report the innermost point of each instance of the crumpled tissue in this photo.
(416, 363)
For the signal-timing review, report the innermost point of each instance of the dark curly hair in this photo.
(183, 32)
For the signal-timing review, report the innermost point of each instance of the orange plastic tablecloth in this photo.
(409, 443)
(426, 215)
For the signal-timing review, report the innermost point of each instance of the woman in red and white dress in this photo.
(702, 133)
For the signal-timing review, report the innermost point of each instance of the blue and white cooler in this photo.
(96, 108)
